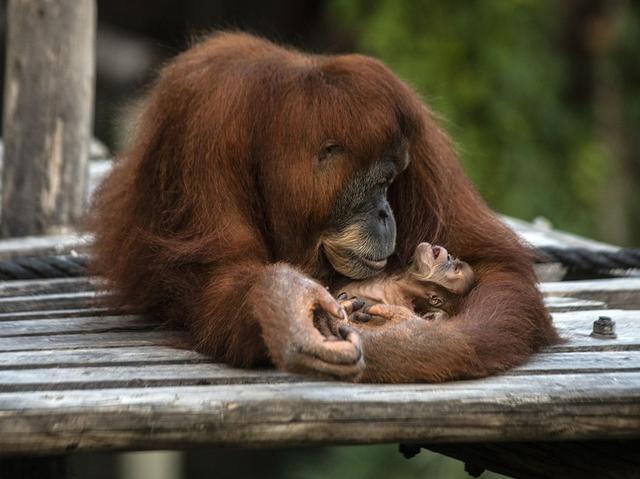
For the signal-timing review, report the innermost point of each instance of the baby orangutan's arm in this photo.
(405, 348)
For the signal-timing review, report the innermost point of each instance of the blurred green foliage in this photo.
(501, 76)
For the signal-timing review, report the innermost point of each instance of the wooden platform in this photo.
(75, 376)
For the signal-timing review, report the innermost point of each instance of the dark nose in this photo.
(386, 225)
(384, 212)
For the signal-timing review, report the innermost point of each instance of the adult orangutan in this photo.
(259, 175)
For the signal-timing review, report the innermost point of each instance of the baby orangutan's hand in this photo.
(387, 312)
(351, 305)
(336, 329)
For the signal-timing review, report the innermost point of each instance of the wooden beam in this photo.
(68, 285)
(48, 105)
(104, 368)
(617, 293)
(46, 302)
(51, 245)
(501, 408)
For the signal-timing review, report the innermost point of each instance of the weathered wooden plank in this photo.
(49, 245)
(60, 313)
(617, 293)
(506, 408)
(576, 327)
(560, 304)
(45, 302)
(149, 372)
(135, 376)
(89, 340)
(578, 362)
(49, 286)
(97, 324)
(544, 363)
(100, 356)
(48, 99)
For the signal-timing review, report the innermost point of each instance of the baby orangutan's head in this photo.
(445, 279)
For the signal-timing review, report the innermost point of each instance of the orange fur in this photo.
(219, 185)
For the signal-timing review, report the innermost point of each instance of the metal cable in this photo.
(34, 267)
(583, 259)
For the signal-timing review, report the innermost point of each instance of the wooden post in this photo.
(48, 109)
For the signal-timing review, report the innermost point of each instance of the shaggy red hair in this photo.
(216, 186)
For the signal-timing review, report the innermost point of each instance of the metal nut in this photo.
(604, 328)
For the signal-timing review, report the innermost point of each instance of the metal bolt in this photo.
(604, 328)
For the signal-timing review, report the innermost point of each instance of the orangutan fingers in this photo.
(381, 310)
(360, 317)
(326, 302)
(389, 312)
(334, 352)
(351, 336)
(352, 304)
(322, 325)
(327, 326)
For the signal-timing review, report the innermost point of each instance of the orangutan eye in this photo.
(329, 150)
(435, 301)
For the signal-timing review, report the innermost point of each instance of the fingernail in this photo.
(343, 313)
(359, 357)
(361, 317)
(357, 304)
(344, 331)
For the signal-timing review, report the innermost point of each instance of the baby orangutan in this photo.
(432, 286)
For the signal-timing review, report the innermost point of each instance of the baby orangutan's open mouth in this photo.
(431, 254)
